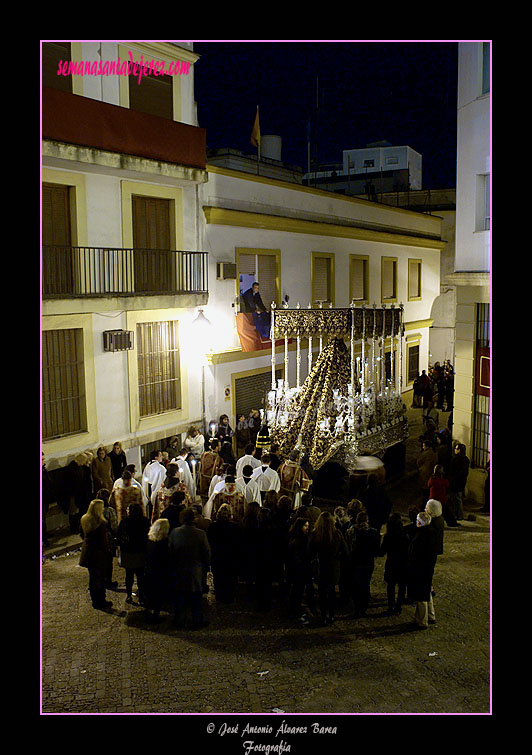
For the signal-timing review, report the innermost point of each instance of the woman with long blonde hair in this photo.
(157, 571)
(328, 550)
(96, 552)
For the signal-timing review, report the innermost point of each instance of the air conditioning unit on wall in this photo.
(225, 271)
(117, 340)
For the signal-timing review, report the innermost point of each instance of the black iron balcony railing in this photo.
(82, 271)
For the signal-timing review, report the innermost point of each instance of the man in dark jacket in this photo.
(458, 472)
(363, 542)
(190, 556)
(252, 302)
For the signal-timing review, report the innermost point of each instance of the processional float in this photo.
(349, 405)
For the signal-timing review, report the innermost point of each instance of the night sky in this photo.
(401, 92)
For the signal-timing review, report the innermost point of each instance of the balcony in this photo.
(94, 272)
(74, 119)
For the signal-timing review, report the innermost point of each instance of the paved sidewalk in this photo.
(249, 662)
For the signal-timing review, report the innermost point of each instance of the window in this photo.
(322, 278)
(152, 96)
(152, 241)
(485, 87)
(481, 411)
(63, 383)
(261, 266)
(482, 217)
(388, 279)
(158, 367)
(414, 280)
(369, 163)
(57, 237)
(358, 278)
(52, 54)
(412, 362)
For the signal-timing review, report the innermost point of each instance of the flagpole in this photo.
(255, 137)
(258, 145)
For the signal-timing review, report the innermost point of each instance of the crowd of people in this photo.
(223, 506)
(443, 467)
(260, 534)
(436, 387)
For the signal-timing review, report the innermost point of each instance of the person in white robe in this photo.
(153, 476)
(249, 485)
(248, 458)
(185, 473)
(265, 477)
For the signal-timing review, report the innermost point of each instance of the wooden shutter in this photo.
(154, 270)
(52, 54)
(321, 279)
(247, 264)
(152, 96)
(63, 383)
(388, 279)
(251, 390)
(159, 377)
(414, 279)
(56, 234)
(267, 278)
(358, 279)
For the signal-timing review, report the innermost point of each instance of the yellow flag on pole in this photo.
(255, 134)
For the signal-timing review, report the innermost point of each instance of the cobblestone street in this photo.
(249, 662)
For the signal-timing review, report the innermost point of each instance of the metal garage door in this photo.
(250, 391)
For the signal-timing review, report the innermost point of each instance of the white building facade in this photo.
(471, 276)
(120, 233)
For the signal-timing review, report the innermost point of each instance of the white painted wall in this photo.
(473, 159)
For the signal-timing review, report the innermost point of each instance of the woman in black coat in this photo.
(225, 540)
(363, 542)
(422, 555)
(132, 539)
(395, 547)
(437, 522)
(118, 460)
(298, 570)
(327, 546)
(96, 553)
(157, 570)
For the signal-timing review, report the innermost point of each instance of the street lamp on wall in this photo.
(203, 330)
